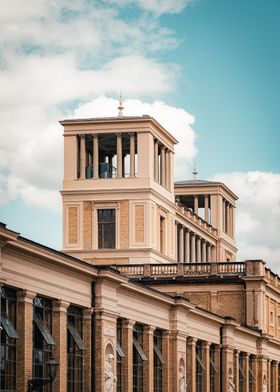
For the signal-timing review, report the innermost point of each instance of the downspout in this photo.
(93, 389)
(221, 359)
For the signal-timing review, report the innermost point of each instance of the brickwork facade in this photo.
(24, 345)
(87, 224)
(124, 224)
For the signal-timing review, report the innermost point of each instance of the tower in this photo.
(214, 202)
(118, 190)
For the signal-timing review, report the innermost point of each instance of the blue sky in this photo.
(213, 61)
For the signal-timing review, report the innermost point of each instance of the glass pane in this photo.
(9, 328)
(44, 330)
(76, 336)
(139, 350)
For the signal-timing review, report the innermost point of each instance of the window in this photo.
(251, 374)
(75, 347)
(8, 339)
(213, 368)
(106, 229)
(158, 360)
(42, 339)
(199, 367)
(138, 358)
(120, 356)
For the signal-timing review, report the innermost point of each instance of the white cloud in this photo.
(258, 214)
(56, 54)
(156, 6)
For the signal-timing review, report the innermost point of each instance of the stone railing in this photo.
(273, 278)
(188, 214)
(182, 270)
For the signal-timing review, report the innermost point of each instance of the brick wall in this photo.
(87, 225)
(124, 224)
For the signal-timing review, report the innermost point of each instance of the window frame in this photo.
(102, 224)
(41, 349)
(9, 337)
(75, 349)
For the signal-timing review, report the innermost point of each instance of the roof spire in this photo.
(195, 172)
(120, 107)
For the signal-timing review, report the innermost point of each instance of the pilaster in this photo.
(127, 332)
(148, 346)
(60, 348)
(191, 364)
(166, 353)
(206, 364)
(87, 353)
(24, 344)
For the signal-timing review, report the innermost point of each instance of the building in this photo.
(147, 295)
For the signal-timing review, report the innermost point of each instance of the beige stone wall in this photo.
(109, 260)
(87, 224)
(124, 224)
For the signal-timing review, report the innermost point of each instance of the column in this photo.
(213, 253)
(162, 166)
(191, 364)
(87, 371)
(187, 247)
(119, 155)
(166, 353)
(132, 155)
(236, 369)
(128, 359)
(156, 160)
(262, 376)
(206, 208)
(195, 200)
(255, 369)
(269, 378)
(167, 169)
(203, 259)
(181, 252)
(208, 257)
(148, 345)
(82, 157)
(60, 348)
(198, 250)
(228, 218)
(24, 344)
(95, 157)
(274, 375)
(176, 242)
(206, 363)
(193, 250)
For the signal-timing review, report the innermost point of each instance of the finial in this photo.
(195, 172)
(120, 107)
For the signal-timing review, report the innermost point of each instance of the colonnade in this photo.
(192, 248)
(91, 156)
(162, 164)
(228, 217)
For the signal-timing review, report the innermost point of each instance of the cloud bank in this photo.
(258, 214)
